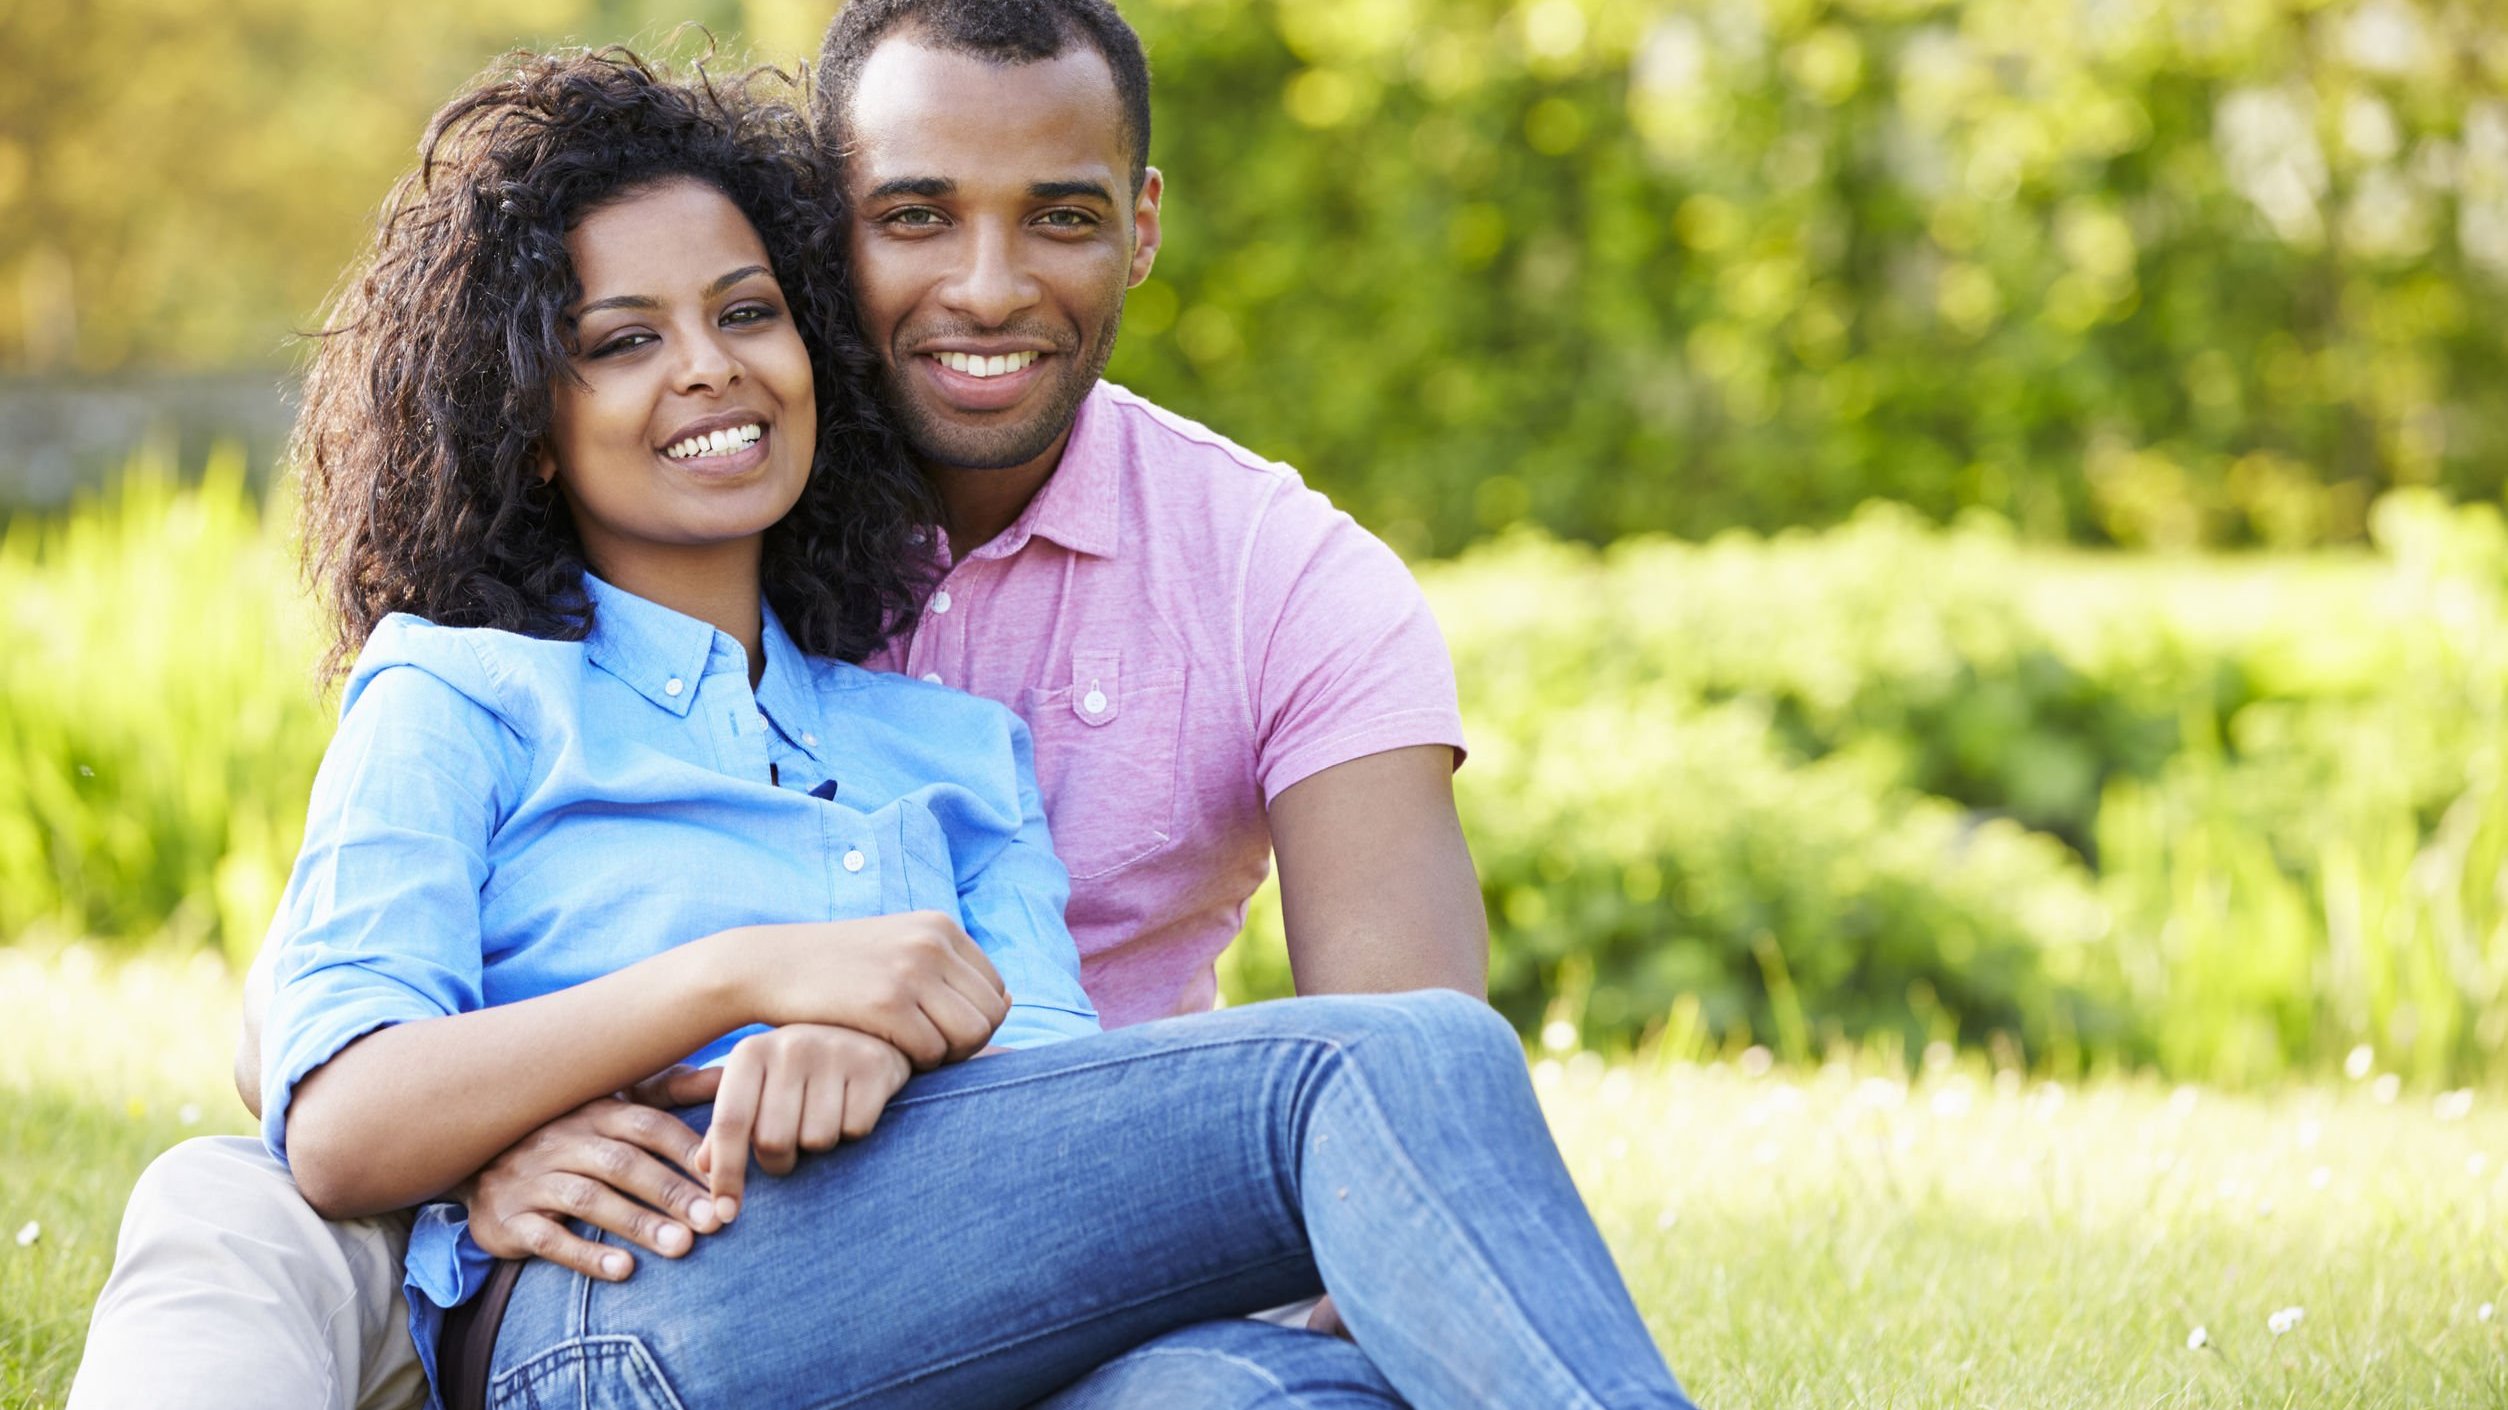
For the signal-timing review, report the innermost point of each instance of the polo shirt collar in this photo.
(1081, 503)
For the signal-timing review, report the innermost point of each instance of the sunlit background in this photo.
(1966, 526)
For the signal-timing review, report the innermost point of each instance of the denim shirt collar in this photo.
(663, 654)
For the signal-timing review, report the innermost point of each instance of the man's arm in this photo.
(1376, 884)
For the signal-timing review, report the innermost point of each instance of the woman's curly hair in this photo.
(429, 391)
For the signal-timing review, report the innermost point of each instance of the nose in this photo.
(992, 283)
(706, 362)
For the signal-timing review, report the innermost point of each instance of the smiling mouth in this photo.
(730, 441)
(973, 365)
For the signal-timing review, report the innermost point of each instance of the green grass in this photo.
(1805, 1237)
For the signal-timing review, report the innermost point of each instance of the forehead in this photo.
(920, 111)
(676, 231)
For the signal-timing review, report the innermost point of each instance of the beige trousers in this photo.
(229, 1291)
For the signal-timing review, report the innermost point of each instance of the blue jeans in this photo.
(1021, 1220)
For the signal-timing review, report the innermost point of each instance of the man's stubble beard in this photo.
(938, 442)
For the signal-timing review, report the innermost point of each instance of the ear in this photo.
(1145, 230)
(544, 464)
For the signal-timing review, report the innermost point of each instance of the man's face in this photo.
(994, 232)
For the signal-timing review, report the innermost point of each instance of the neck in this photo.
(717, 584)
(976, 505)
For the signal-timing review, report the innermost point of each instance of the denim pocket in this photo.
(586, 1373)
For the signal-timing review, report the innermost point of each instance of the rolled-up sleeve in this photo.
(1013, 902)
(380, 921)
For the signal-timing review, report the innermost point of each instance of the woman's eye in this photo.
(621, 343)
(748, 313)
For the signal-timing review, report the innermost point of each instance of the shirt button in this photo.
(940, 602)
(932, 677)
(809, 739)
(1094, 702)
(853, 861)
(673, 686)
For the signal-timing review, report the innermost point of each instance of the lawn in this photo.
(1838, 1236)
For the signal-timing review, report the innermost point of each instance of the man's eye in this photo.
(1069, 220)
(912, 215)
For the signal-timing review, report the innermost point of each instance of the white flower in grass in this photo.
(26, 1237)
(2386, 1088)
(2285, 1319)
(2482, 1313)
(189, 1115)
(2356, 1067)
(2453, 1106)
(2198, 1339)
(1559, 1036)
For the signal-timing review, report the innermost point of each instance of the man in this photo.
(1217, 668)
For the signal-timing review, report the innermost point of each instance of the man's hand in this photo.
(802, 1087)
(615, 1163)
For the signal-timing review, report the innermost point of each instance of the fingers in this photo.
(776, 1136)
(578, 1197)
(823, 1110)
(677, 1087)
(1326, 1318)
(726, 1154)
(539, 1236)
(628, 1162)
(962, 1023)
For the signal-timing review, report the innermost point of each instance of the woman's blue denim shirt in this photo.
(501, 816)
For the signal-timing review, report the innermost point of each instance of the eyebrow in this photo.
(927, 186)
(935, 187)
(641, 301)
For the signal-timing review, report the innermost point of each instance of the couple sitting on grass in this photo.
(772, 648)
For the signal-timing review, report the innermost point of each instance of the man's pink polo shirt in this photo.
(1187, 630)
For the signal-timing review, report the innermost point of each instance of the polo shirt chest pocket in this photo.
(1108, 742)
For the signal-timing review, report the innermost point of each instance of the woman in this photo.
(597, 500)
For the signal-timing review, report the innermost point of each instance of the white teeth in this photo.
(974, 366)
(732, 441)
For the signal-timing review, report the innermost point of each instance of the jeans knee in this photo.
(1464, 1024)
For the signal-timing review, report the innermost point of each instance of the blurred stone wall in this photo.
(59, 435)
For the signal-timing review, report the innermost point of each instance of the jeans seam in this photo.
(861, 1395)
(1331, 1045)
(1253, 1367)
(1409, 1169)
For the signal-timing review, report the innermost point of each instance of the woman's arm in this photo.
(379, 1013)
(409, 1110)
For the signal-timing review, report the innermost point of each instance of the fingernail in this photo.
(614, 1265)
(726, 1208)
(701, 1213)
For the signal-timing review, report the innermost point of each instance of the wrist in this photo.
(719, 981)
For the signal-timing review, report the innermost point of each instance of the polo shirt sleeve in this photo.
(1013, 901)
(380, 920)
(1343, 658)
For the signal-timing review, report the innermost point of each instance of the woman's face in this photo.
(694, 423)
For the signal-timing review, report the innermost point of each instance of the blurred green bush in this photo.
(1606, 266)
(1887, 782)
(1685, 265)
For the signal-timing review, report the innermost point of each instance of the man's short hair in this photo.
(1001, 31)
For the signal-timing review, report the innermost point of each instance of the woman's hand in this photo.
(803, 1087)
(615, 1164)
(915, 981)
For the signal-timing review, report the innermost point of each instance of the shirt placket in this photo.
(938, 654)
